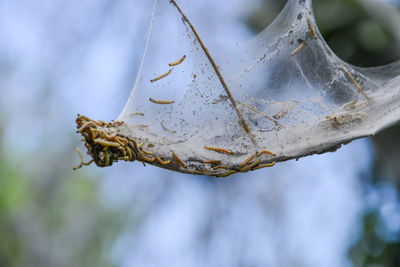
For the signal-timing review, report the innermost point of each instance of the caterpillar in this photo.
(136, 114)
(178, 160)
(145, 158)
(250, 166)
(87, 124)
(212, 162)
(166, 129)
(179, 61)
(264, 165)
(158, 101)
(217, 149)
(266, 152)
(161, 76)
(300, 47)
(220, 167)
(147, 152)
(355, 83)
(162, 162)
(314, 36)
(81, 163)
(227, 173)
(107, 158)
(249, 159)
(106, 143)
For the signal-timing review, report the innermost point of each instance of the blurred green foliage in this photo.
(52, 221)
(362, 36)
(54, 217)
(356, 34)
(372, 249)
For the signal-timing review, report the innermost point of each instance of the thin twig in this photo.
(242, 121)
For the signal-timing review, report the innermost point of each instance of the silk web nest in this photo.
(282, 95)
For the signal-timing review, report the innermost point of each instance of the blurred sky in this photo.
(59, 58)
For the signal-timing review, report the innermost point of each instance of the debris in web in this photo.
(283, 95)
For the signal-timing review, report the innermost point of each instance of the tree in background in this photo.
(363, 36)
(50, 218)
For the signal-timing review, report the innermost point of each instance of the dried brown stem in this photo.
(242, 121)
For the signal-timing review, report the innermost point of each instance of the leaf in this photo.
(282, 95)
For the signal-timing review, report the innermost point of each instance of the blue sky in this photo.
(62, 58)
